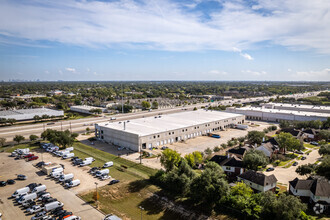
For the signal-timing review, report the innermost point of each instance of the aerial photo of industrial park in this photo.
(164, 109)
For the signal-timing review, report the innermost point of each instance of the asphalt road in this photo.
(80, 125)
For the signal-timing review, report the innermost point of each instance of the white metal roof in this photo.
(151, 125)
(86, 107)
(26, 114)
(281, 111)
(299, 106)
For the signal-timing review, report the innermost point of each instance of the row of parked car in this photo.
(65, 179)
(35, 199)
(23, 154)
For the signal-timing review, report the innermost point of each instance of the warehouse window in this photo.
(169, 133)
(182, 130)
(102, 137)
(101, 131)
(173, 132)
(154, 136)
(157, 135)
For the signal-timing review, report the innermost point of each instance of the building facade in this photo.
(166, 129)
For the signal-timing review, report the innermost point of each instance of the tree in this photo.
(96, 111)
(287, 141)
(36, 118)
(255, 137)
(208, 151)
(154, 104)
(2, 141)
(324, 168)
(283, 207)
(195, 109)
(194, 158)
(18, 138)
(326, 124)
(242, 198)
(45, 116)
(210, 187)
(324, 150)
(254, 158)
(305, 169)
(324, 134)
(170, 159)
(216, 149)
(33, 137)
(284, 124)
(11, 121)
(145, 104)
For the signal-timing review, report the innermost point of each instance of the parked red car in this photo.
(28, 155)
(33, 158)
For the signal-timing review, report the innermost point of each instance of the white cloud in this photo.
(289, 70)
(217, 73)
(321, 75)
(46, 72)
(69, 69)
(296, 24)
(245, 55)
(254, 73)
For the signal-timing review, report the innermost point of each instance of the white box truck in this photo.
(31, 196)
(39, 189)
(108, 164)
(21, 191)
(53, 205)
(90, 158)
(59, 169)
(69, 155)
(69, 149)
(242, 127)
(57, 175)
(102, 172)
(73, 183)
(86, 162)
(66, 177)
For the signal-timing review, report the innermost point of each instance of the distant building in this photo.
(238, 152)
(28, 114)
(85, 109)
(278, 115)
(259, 182)
(298, 107)
(27, 96)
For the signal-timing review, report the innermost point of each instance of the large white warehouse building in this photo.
(297, 107)
(28, 114)
(278, 115)
(160, 130)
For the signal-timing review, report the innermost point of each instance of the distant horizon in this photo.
(120, 40)
(245, 81)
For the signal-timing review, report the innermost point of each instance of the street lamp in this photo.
(141, 210)
(96, 194)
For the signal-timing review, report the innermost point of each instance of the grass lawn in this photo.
(9, 149)
(289, 164)
(134, 189)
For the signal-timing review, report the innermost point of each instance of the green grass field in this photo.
(9, 149)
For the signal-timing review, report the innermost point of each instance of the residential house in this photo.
(232, 165)
(295, 133)
(269, 147)
(312, 190)
(259, 182)
(238, 152)
(310, 133)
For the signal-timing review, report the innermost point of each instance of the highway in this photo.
(80, 125)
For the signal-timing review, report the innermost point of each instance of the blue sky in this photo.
(165, 40)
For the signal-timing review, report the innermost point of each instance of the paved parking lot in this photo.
(9, 168)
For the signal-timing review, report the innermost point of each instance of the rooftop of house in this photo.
(318, 186)
(258, 178)
(232, 161)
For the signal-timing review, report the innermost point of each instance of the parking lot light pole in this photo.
(141, 210)
(96, 195)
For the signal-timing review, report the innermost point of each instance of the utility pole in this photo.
(96, 195)
(141, 210)
(122, 99)
(140, 155)
(70, 128)
(61, 126)
(44, 126)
